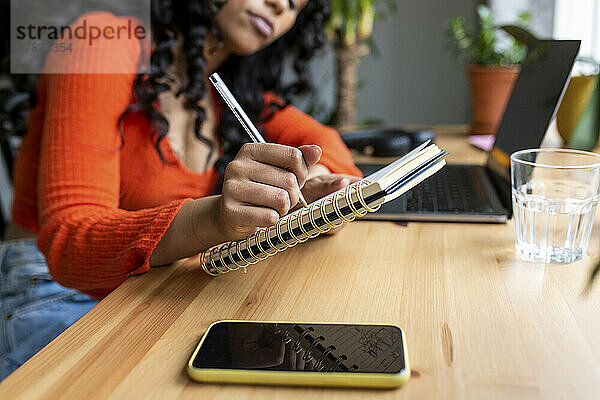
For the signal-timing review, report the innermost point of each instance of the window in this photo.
(579, 20)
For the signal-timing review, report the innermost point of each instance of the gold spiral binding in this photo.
(271, 243)
(361, 199)
(239, 253)
(291, 230)
(249, 247)
(324, 212)
(286, 221)
(351, 203)
(207, 259)
(204, 265)
(221, 252)
(236, 244)
(336, 208)
(280, 237)
(311, 216)
(212, 261)
(302, 224)
(258, 241)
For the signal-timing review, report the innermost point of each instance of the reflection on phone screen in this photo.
(299, 347)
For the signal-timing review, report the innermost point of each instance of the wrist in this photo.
(206, 227)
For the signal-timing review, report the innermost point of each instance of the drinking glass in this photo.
(554, 197)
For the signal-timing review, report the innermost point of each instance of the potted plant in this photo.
(349, 30)
(493, 55)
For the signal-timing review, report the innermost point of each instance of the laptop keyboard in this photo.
(454, 189)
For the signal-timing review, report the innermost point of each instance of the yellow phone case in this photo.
(300, 378)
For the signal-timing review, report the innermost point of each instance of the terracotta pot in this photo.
(490, 90)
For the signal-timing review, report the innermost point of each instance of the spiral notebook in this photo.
(353, 348)
(345, 205)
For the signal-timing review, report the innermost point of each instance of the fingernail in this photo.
(320, 150)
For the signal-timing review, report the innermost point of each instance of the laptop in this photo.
(475, 193)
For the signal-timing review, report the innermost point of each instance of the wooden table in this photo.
(479, 323)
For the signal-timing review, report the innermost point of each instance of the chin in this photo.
(244, 50)
(244, 46)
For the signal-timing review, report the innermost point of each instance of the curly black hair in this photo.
(248, 77)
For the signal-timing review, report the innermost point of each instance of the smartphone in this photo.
(301, 354)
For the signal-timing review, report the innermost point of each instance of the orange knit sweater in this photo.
(101, 206)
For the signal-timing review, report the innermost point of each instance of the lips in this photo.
(263, 25)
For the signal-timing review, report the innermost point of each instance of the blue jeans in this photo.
(33, 308)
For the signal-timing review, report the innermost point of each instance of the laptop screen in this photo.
(533, 102)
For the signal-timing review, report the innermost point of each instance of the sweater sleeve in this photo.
(89, 242)
(292, 127)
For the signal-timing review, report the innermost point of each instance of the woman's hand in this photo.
(322, 185)
(262, 184)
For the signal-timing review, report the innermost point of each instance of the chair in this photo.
(9, 143)
(6, 158)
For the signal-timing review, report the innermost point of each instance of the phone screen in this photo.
(302, 347)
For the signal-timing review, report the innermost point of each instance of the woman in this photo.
(117, 171)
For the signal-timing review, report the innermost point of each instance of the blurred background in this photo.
(416, 80)
(406, 71)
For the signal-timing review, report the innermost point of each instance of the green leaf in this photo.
(524, 18)
(486, 46)
(485, 15)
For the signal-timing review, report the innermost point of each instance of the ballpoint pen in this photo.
(241, 116)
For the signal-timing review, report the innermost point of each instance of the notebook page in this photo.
(415, 181)
(402, 160)
(396, 174)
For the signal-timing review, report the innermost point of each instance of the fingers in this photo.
(261, 185)
(239, 220)
(277, 177)
(323, 185)
(285, 157)
(340, 181)
(258, 194)
(312, 154)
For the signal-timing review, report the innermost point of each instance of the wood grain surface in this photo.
(480, 324)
